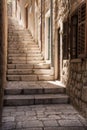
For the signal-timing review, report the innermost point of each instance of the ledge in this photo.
(76, 61)
(79, 60)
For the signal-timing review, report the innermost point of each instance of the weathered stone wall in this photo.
(9, 7)
(74, 76)
(3, 49)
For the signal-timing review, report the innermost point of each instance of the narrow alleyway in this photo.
(42, 85)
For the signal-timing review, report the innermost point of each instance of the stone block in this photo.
(84, 94)
(19, 71)
(70, 123)
(33, 91)
(8, 119)
(13, 77)
(50, 123)
(43, 71)
(45, 78)
(11, 66)
(12, 91)
(29, 78)
(24, 66)
(18, 100)
(44, 66)
(32, 124)
(64, 128)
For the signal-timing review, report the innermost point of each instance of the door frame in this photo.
(47, 16)
(26, 16)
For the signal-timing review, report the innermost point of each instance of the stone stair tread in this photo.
(42, 96)
(23, 55)
(23, 51)
(11, 100)
(26, 66)
(32, 61)
(30, 71)
(23, 88)
(34, 84)
(30, 77)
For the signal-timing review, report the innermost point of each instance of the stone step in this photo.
(23, 45)
(15, 27)
(30, 78)
(24, 48)
(24, 61)
(29, 88)
(29, 66)
(24, 100)
(19, 31)
(28, 36)
(19, 35)
(25, 58)
(19, 40)
(25, 55)
(23, 51)
(30, 71)
(15, 42)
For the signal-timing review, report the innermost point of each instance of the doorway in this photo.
(26, 16)
(58, 33)
(48, 37)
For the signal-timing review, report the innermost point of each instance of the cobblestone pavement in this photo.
(42, 117)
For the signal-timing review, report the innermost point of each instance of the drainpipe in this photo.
(51, 12)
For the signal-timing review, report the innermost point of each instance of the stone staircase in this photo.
(34, 93)
(25, 61)
(29, 78)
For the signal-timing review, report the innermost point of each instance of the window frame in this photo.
(66, 37)
(85, 43)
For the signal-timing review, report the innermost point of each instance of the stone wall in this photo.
(3, 49)
(74, 72)
(9, 7)
(75, 78)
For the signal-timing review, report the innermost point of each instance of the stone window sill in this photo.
(76, 61)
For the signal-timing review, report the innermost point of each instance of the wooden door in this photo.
(49, 46)
(58, 54)
(26, 15)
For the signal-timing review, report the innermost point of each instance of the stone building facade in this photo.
(3, 51)
(74, 52)
(53, 24)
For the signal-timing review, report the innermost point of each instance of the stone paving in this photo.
(42, 117)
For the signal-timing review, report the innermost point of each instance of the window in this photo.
(78, 31)
(81, 30)
(74, 35)
(65, 40)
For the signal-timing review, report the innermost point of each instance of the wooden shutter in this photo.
(81, 30)
(65, 40)
(74, 35)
